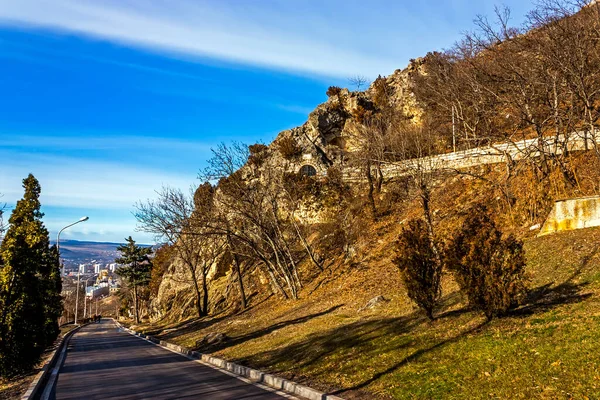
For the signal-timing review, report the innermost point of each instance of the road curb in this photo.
(253, 375)
(34, 391)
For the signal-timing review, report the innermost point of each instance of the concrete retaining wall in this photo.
(494, 154)
(573, 214)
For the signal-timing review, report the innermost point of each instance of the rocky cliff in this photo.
(323, 141)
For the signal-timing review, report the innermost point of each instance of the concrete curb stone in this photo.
(40, 381)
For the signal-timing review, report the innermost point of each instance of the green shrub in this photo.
(421, 271)
(333, 91)
(488, 267)
(289, 148)
(258, 154)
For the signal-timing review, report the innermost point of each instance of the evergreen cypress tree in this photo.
(135, 270)
(490, 269)
(52, 288)
(421, 271)
(24, 251)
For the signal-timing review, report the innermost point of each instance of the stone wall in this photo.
(573, 214)
(494, 154)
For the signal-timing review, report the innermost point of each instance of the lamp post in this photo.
(82, 219)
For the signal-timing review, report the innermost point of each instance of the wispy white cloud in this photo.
(101, 141)
(315, 39)
(227, 99)
(72, 182)
(71, 188)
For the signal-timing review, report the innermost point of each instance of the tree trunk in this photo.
(284, 272)
(238, 273)
(275, 285)
(425, 200)
(379, 180)
(136, 314)
(204, 292)
(371, 197)
(307, 246)
(198, 297)
(429, 313)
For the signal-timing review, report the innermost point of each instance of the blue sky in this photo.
(106, 101)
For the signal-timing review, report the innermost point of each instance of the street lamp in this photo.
(82, 219)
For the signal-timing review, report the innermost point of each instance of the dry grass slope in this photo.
(546, 349)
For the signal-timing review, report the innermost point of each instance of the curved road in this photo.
(104, 362)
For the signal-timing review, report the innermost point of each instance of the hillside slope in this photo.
(327, 338)
(546, 349)
(351, 328)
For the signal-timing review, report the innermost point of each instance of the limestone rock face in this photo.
(323, 141)
(331, 129)
(176, 291)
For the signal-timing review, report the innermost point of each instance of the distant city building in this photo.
(97, 268)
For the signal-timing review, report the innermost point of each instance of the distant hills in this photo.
(75, 252)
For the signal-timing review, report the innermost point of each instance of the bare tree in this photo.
(225, 161)
(171, 218)
(256, 215)
(375, 138)
(358, 81)
(417, 147)
(568, 44)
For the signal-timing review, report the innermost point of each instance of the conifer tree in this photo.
(24, 251)
(52, 288)
(489, 268)
(135, 270)
(421, 271)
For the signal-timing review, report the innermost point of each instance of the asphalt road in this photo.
(103, 362)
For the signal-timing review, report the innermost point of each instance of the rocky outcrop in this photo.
(323, 141)
(331, 129)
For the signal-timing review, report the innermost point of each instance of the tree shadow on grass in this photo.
(262, 332)
(545, 297)
(192, 326)
(345, 338)
(179, 325)
(241, 311)
(356, 341)
(353, 335)
(412, 357)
